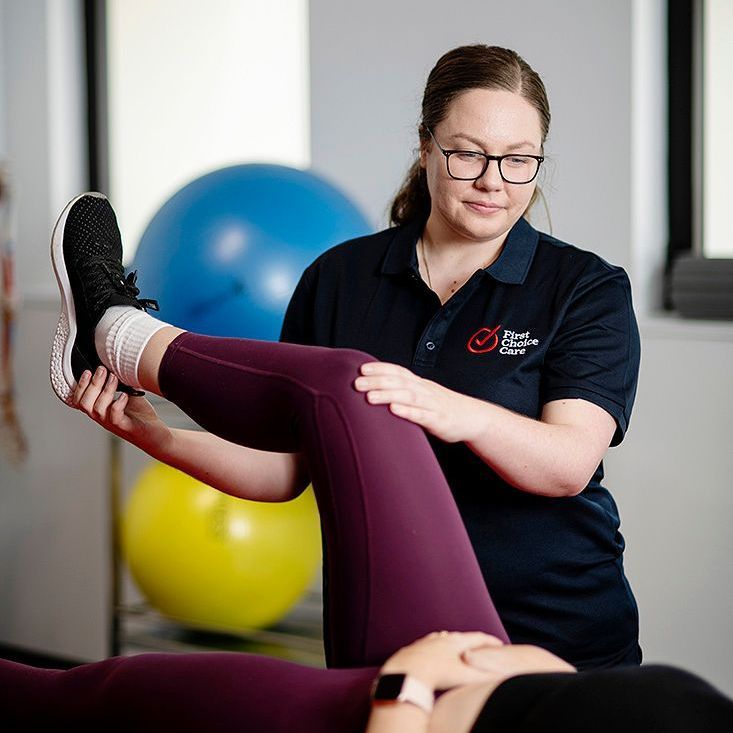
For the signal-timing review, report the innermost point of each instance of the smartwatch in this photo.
(394, 688)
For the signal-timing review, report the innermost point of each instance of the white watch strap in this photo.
(417, 693)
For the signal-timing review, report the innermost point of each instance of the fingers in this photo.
(401, 388)
(471, 641)
(395, 388)
(95, 393)
(81, 385)
(387, 381)
(399, 396)
(479, 639)
(117, 411)
(105, 398)
(468, 639)
(384, 367)
(92, 387)
(387, 376)
(515, 659)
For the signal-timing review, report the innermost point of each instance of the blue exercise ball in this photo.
(223, 255)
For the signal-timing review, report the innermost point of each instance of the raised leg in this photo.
(399, 561)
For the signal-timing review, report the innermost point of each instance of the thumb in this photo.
(478, 655)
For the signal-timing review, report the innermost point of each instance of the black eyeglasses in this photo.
(469, 165)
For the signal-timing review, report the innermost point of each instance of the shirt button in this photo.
(429, 345)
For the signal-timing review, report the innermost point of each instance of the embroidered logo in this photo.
(512, 343)
(484, 340)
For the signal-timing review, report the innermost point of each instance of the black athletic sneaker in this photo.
(86, 251)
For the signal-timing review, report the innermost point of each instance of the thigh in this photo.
(186, 692)
(399, 561)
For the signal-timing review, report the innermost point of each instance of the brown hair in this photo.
(457, 71)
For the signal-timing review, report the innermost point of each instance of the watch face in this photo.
(389, 686)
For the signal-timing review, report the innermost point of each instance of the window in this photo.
(700, 67)
(182, 87)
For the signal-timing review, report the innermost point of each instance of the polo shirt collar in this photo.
(511, 267)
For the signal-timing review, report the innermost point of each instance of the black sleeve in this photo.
(297, 327)
(628, 699)
(595, 353)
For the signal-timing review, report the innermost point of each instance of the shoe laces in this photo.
(124, 285)
(128, 287)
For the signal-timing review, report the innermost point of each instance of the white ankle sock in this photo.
(120, 337)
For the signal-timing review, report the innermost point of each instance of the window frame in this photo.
(695, 286)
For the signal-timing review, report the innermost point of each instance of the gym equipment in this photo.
(214, 561)
(223, 255)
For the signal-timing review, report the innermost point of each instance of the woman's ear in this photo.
(423, 154)
(425, 141)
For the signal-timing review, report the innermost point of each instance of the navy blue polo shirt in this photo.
(545, 321)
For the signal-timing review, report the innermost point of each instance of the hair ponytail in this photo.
(413, 199)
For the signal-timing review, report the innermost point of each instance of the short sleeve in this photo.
(595, 352)
(297, 327)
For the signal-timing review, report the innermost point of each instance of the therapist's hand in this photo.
(438, 659)
(448, 415)
(510, 660)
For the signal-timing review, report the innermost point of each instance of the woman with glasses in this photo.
(516, 352)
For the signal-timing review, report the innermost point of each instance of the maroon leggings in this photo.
(399, 563)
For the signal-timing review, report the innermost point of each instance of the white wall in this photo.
(53, 549)
(3, 143)
(26, 117)
(672, 479)
(230, 85)
(602, 63)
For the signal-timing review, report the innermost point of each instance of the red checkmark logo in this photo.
(484, 340)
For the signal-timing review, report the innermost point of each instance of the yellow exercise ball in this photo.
(214, 561)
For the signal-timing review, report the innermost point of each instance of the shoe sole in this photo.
(62, 376)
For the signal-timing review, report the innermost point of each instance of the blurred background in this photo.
(142, 96)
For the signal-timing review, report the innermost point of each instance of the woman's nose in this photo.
(491, 179)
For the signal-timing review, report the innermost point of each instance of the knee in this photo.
(341, 368)
(352, 359)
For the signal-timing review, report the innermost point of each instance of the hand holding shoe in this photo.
(132, 418)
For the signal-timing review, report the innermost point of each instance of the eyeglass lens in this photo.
(514, 168)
